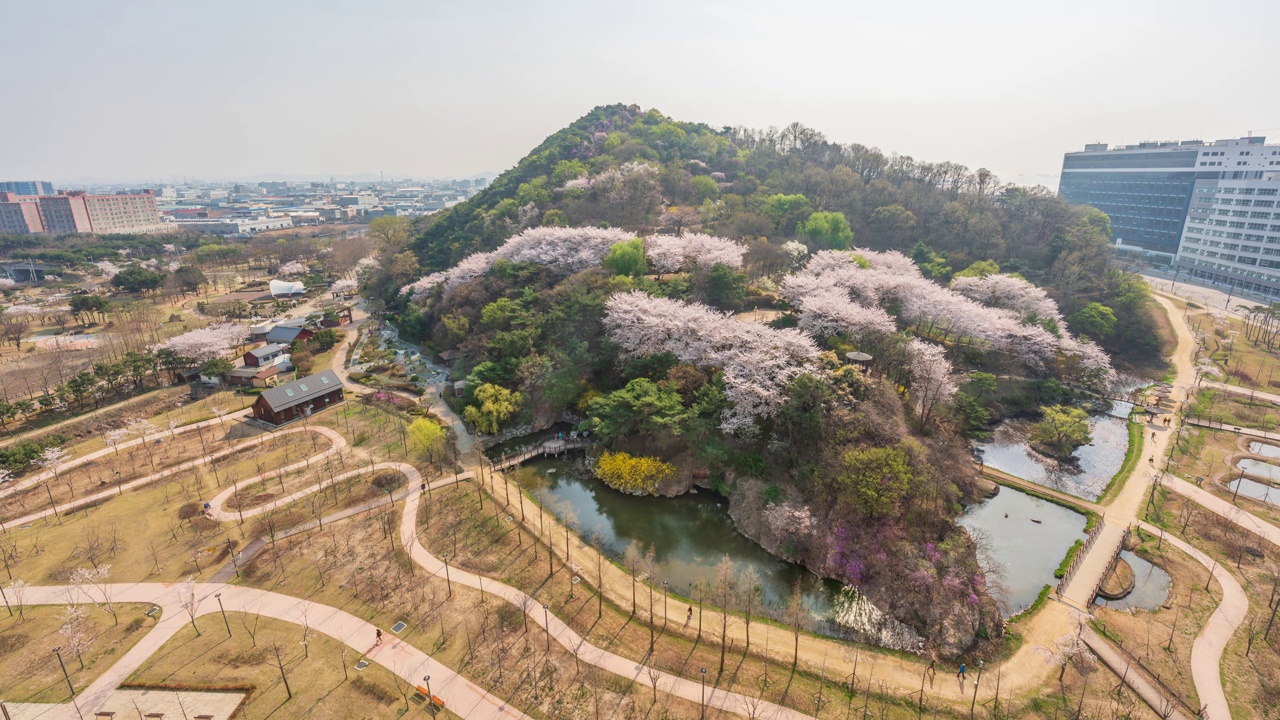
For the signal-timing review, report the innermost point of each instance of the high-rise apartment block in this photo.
(1207, 207)
(78, 212)
(27, 187)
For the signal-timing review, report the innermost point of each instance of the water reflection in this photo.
(1028, 551)
(1254, 489)
(1095, 464)
(1264, 449)
(1150, 586)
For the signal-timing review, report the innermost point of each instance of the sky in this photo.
(149, 92)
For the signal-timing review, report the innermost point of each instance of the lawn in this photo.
(247, 658)
(1236, 410)
(1244, 362)
(29, 671)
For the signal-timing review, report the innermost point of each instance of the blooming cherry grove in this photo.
(344, 286)
(671, 253)
(205, 344)
(294, 268)
(758, 362)
(565, 250)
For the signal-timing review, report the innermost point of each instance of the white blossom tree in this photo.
(672, 253)
(758, 362)
(204, 344)
(344, 286)
(932, 380)
(293, 268)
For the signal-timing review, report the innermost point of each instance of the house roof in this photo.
(266, 350)
(263, 372)
(297, 392)
(284, 334)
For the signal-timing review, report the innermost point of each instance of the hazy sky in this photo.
(144, 91)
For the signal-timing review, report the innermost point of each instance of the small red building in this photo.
(265, 355)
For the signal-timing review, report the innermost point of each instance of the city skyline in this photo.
(412, 91)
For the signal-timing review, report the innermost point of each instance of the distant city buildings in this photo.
(27, 187)
(1209, 209)
(220, 208)
(79, 212)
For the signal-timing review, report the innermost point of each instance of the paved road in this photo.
(460, 695)
(1206, 651)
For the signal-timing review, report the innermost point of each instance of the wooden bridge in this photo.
(552, 447)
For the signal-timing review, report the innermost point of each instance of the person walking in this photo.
(377, 640)
(689, 617)
(961, 675)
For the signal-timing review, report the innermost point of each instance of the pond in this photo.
(1026, 550)
(1257, 468)
(690, 534)
(1150, 586)
(1261, 492)
(1095, 464)
(1264, 449)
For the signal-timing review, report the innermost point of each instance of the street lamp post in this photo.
(664, 603)
(218, 597)
(58, 651)
(546, 623)
(703, 671)
(430, 700)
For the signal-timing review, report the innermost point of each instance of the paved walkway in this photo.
(25, 483)
(1134, 677)
(461, 696)
(1005, 478)
(1237, 390)
(567, 637)
(1126, 507)
(1250, 432)
(1206, 651)
(336, 438)
(1223, 508)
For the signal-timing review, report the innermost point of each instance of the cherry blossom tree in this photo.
(829, 311)
(932, 381)
(365, 267)
(758, 361)
(294, 268)
(672, 253)
(22, 311)
(108, 268)
(344, 286)
(1011, 293)
(564, 250)
(207, 343)
(7, 284)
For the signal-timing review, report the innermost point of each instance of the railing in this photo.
(1111, 565)
(1079, 558)
(546, 447)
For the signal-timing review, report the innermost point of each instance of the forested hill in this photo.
(620, 166)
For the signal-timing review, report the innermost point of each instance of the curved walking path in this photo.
(1223, 508)
(39, 477)
(571, 640)
(336, 438)
(461, 696)
(1206, 651)
(1237, 390)
(215, 504)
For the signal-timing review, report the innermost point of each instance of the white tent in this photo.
(282, 288)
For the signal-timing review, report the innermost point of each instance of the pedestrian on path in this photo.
(377, 638)
(961, 675)
(689, 617)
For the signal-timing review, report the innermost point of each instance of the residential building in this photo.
(27, 187)
(298, 399)
(1147, 188)
(250, 376)
(124, 213)
(283, 335)
(65, 213)
(19, 214)
(265, 355)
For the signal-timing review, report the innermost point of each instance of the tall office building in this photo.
(1147, 188)
(27, 187)
(1211, 208)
